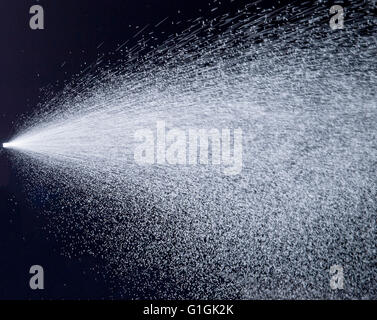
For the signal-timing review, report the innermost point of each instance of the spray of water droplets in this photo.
(305, 98)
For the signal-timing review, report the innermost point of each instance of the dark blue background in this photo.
(32, 59)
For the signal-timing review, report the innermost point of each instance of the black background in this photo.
(76, 33)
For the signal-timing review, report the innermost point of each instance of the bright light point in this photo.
(6, 145)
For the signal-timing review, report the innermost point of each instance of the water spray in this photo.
(303, 95)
